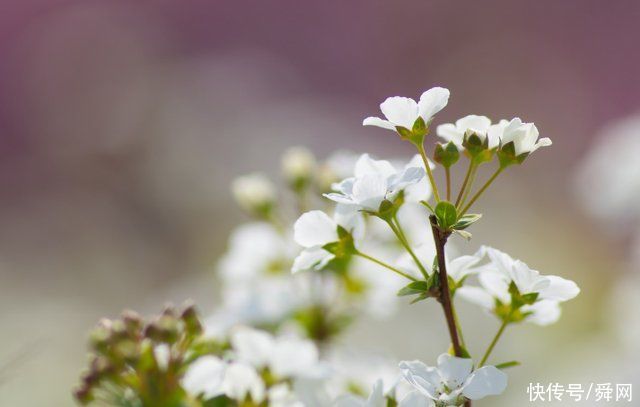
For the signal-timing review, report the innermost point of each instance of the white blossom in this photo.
(374, 182)
(502, 270)
(473, 123)
(403, 112)
(315, 229)
(253, 191)
(205, 377)
(242, 380)
(453, 380)
(298, 163)
(523, 135)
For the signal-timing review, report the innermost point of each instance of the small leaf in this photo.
(446, 214)
(414, 287)
(419, 298)
(464, 234)
(426, 204)
(467, 220)
(507, 365)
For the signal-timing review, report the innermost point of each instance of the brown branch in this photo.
(440, 238)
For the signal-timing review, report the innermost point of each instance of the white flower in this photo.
(477, 124)
(403, 112)
(503, 270)
(281, 395)
(285, 356)
(315, 229)
(453, 380)
(377, 399)
(298, 163)
(241, 380)
(253, 192)
(375, 181)
(205, 377)
(523, 135)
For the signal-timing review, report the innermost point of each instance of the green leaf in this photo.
(419, 298)
(464, 234)
(467, 220)
(507, 365)
(414, 287)
(446, 214)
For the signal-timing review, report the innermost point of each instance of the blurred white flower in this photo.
(523, 135)
(254, 192)
(473, 123)
(242, 380)
(403, 112)
(298, 163)
(453, 380)
(315, 229)
(497, 276)
(374, 182)
(285, 356)
(608, 179)
(205, 377)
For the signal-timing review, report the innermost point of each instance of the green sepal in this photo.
(446, 154)
(467, 220)
(464, 352)
(446, 214)
(507, 365)
(414, 287)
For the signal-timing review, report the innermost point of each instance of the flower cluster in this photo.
(356, 235)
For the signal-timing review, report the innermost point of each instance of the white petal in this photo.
(378, 122)
(400, 111)
(474, 122)
(339, 198)
(369, 191)
(350, 218)
(252, 346)
(405, 178)
(453, 370)
(415, 399)
(477, 295)
(293, 357)
(486, 381)
(560, 289)
(204, 376)
(349, 400)
(462, 266)
(368, 166)
(432, 101)
(241, 380)
(543, 313)
(496, 284)
(424, 378)
(543, 142)
(376, 398)
(311, 259)
(315, 228)
(449, 132)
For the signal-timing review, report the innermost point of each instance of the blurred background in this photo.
(122, 124)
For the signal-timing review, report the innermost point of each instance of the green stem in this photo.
(458, 326)
(493, 343)
(465, 182)
(481, 191)
(427, 167)
(397, 229)
(447, 173)
(385, 265)
(467, 191)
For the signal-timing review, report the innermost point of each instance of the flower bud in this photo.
(255, 194)
(191, 322)
(446, 155)
(298, 167)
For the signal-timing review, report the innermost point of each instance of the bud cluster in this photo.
(140, 362)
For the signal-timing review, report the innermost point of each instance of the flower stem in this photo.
(493, 343)
(385, 265)
(472, 178)
(427, 168)
(464, 183)
(480, 192)
(447, 173)
(397, 229)
(440, 238)
(457, 321)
